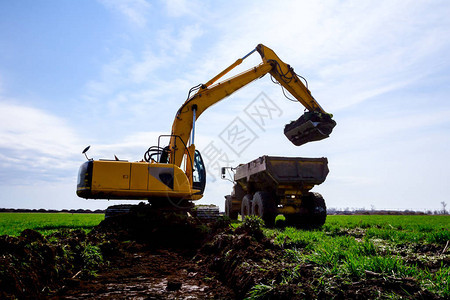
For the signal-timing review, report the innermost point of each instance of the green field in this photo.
(352, 248)
(46, 223)
(396, 229)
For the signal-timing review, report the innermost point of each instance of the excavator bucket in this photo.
(311, 126)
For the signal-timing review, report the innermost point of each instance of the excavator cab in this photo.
(310, 127)
(199, 173)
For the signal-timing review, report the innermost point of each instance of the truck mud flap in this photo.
(309, 127)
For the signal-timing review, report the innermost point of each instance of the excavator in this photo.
(175, 175)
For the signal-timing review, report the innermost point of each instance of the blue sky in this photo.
(112, 74)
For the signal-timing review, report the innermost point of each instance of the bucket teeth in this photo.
(310, 127)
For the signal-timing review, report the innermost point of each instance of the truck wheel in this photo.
(265, 207)
(319, 213)
(246, 206)
(313, 213)
(229, 208)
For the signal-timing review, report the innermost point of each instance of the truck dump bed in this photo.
(301, 172)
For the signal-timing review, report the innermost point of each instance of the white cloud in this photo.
(180, 8)
(353, 50)
(141, 71)
(35, 145)
(179, 42)
(112, 77)
(135, 11)
(135, 80)
(131, 148)
(34, 131)
(38, 146)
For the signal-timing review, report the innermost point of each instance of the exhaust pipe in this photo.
(310, 127)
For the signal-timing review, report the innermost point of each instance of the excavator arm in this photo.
(285, 75)
(314, 125)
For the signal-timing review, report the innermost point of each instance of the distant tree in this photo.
(444, 205)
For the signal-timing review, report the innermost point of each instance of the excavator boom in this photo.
(314, 125)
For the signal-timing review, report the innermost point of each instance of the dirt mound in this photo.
(253, 266)
(245, 259)
(154, 261)
(169, 230)
(32, 265)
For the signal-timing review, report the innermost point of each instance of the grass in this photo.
(14, 223)
(422, 223)
(395, 229)
(351, 248)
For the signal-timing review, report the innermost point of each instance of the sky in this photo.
(112, 74)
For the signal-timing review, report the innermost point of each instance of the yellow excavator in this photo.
(176, 173)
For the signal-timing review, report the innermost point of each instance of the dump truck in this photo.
(271, 185)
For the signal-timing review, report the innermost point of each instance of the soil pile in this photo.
(32, 266)
(245, 259)
(169, 230)
(151, 258)
(124, 256)
(253, 266)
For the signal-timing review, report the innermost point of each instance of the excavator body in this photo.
(110, 179)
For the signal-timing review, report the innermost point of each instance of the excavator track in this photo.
(207, 213)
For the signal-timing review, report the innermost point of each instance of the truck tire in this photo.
(246, 206)
(313, 215)
(264, 206)
(319, 214)
(229, 208)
